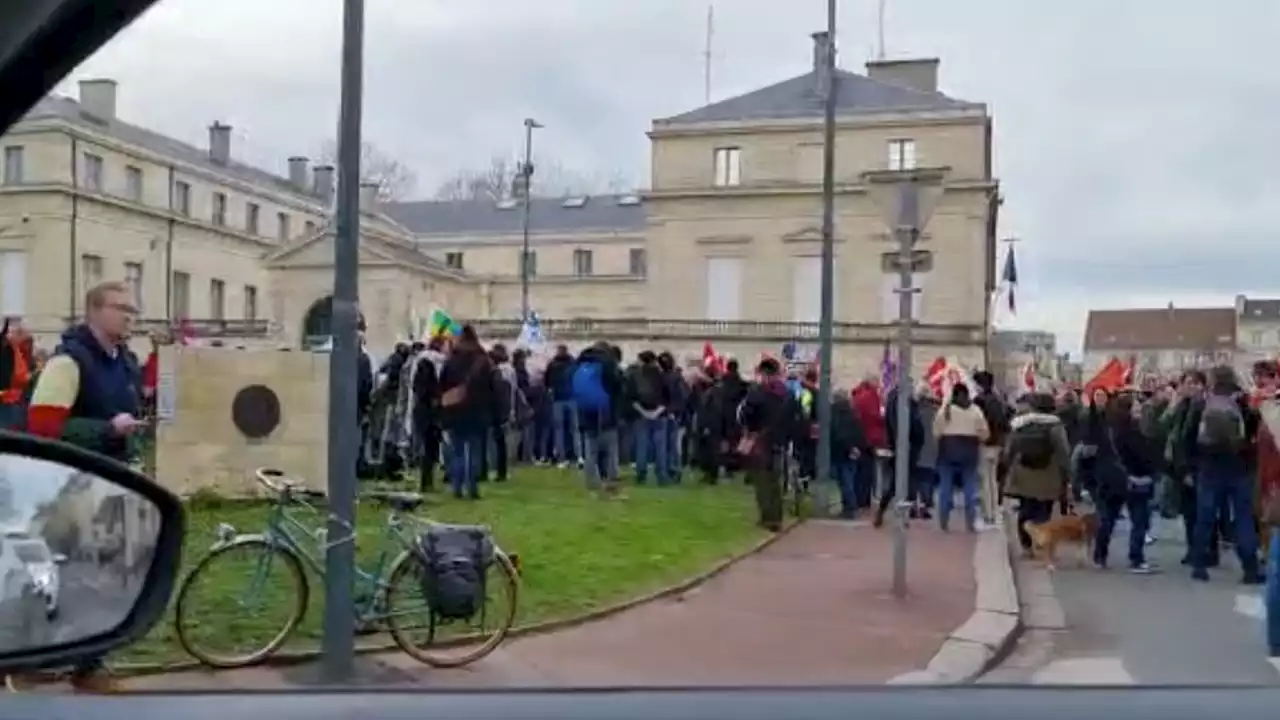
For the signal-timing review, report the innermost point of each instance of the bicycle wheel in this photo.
(448, 652)
(230, 617)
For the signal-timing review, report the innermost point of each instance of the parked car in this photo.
(41, 565)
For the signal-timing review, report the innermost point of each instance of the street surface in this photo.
(814, 608)
(90, 602)
(1124, 629)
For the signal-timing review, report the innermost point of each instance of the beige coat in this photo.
(1049, 483)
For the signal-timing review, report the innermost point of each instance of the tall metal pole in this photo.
(823, 464)
(526, 173)
(339, 640)
(907, 232)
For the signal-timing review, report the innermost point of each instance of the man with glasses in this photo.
(89, 395)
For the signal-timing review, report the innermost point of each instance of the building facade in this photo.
(724, 246)
(1160, 341)
(1257, 330)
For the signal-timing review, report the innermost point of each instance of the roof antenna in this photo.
(880, 30)
(707, 53)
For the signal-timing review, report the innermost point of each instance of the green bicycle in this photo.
(290, 545)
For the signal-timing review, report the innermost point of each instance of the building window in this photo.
(639, 262)
(723, 286)
(182, 198)
(133, 183)
(219, 214)
(93, 171)
(90, 272)
(13, 164)
(252, 215)
(217, 299)
(1256, 337)
(582, 263)
(133, 278)
(453, 260)
(282, 225)
(13, 282)
(728, 167)
(250, 302)
(181, 295)
(902, 154)
(528, 263)
(308, 228)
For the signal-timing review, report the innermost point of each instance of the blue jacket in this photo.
(110, 384)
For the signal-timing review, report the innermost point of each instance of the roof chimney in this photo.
(220, 143)
(322, 177)
(821, 59)
(920, 74)
(298, 172)
(98, 97)
(369, 196)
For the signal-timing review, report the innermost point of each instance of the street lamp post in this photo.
(906, 200)
(822, 469)
(338, 644)
(526, 188)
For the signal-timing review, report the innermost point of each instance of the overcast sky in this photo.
(1136, 140)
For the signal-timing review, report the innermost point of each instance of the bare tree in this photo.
(396, 180)
(550, 179)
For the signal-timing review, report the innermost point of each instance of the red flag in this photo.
(1110, 377)
(936, 376)
(1029, 377)
(1131, 370)
(711, 361)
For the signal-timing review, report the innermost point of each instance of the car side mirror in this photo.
(115, 535)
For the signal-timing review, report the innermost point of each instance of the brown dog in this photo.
(1046, 536)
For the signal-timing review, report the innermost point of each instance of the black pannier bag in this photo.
(455, 559)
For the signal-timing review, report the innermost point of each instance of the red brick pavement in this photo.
(814, 608)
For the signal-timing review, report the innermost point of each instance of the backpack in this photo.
(1032, 445)
(1221, 425)
(588, 388)
(455, 559)
(649, 388)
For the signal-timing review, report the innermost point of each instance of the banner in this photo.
(441, 324)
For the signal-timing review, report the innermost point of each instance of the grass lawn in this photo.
(578, 553)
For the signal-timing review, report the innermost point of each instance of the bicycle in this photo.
(794, 487)
(286, 541)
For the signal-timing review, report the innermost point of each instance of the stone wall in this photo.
(201, 447)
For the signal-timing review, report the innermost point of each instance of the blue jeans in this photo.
(652, 443)
(566, 412)
(1137, 501)
(1221, 484)
(845, 471)
(600, 457)
(464, 460)
(966, 476)
(675, 458)
(1272, 594)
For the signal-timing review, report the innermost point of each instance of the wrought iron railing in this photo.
(640, 328)
(206, 328)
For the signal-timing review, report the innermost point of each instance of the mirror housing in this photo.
(153, 598)
(59, 559)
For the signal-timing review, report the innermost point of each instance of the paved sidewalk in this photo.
(814, 608)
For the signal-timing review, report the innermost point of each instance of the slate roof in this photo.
(1171, 328)
(69, 110)
(798, 98)
(602, 213)
(1260, 310)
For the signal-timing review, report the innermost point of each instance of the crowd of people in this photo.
(1198, 446)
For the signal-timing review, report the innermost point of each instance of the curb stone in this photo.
(298, 657)
(990, 632)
